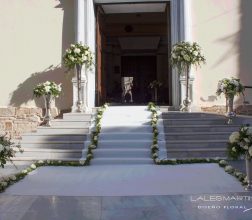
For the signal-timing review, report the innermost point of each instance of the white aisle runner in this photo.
(126, 136)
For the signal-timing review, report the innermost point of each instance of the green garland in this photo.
(11, 179)
(155, 149)
(154, 121)
(95, 135)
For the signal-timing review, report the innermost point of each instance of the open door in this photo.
(100, 44)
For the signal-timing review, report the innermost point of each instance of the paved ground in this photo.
(125, 180)
(127, 208)
(137, 192)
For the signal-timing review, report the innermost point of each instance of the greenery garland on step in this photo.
(7, 181)
(154, 122)
(95, 135)
(155, 149)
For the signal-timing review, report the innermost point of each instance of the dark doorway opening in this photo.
(133, 43)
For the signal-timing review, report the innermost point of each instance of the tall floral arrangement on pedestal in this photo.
(240, 145)
(183, 56)
(75, 57)
(230, 88)
(49, 90)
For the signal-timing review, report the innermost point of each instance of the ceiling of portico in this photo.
(134, 8)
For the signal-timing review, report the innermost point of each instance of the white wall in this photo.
(34, 35)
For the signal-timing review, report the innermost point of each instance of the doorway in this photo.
(132, 41)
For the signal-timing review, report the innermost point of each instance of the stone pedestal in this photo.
(83, 94)
(183, 88)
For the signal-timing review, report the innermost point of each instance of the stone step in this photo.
(121, 161)
(126, 136)
(53, 145)
(126, 129)
(122, 153)
(196, 153)
(62, 130)
(77, 116)
(32, 159)
(71, 123)
(127, 123)
(186, 115)
(195, 121)
(197, 135)
(124, 144)
(201, 128)
(43, 154)
(196, 144)
(53, 137)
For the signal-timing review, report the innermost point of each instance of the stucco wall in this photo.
(222, 28)
(34, 36)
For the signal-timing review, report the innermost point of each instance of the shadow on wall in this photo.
(24, 93)
(241, 45)
(245, 46)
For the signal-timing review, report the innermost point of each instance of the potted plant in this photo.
(49, 90)
(75, 57)
(240, 145)
(230, 88)
(183, 56)
(155, 85)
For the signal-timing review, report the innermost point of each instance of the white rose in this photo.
(7, 148)
(246, 140)
(82, 162)
(47, 89)
(245, 147)
(71, 58)
(13, 178)
(250, 151)
(174, 56)
(234, 137)
(33, 166)
(1, 147)
(77, 50)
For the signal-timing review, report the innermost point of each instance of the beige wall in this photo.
(222, 28)
(34, 35)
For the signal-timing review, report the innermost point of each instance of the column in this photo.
(80, 38)
(175, 37)
(187, 32)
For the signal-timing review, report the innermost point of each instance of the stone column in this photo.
(186, 22)
(80, 29)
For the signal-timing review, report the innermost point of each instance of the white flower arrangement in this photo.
(240, 143)
(229, 87)
(155, 84)
(185, 54)
(78, 54)
(47, 88)
(8, 150)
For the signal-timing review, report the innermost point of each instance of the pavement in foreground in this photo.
(181, 192)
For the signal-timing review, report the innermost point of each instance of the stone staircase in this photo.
(125, 137)
(64, 140)
(196, 135)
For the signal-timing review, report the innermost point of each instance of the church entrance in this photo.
(132, 49)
